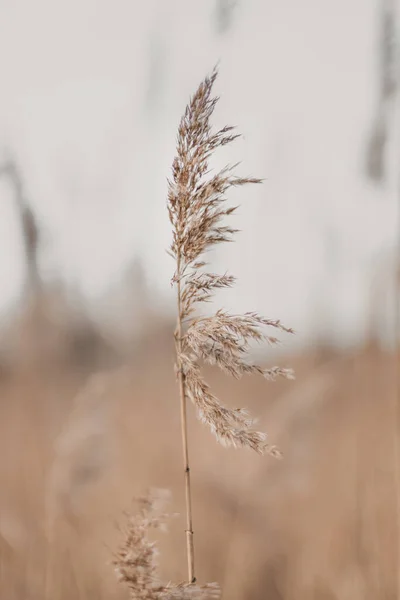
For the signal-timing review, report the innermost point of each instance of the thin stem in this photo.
(182, 394)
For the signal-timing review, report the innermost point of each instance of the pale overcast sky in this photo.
(91, 94)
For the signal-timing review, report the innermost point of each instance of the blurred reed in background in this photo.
(320, 524)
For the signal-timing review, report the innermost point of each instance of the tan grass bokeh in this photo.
(319, 524)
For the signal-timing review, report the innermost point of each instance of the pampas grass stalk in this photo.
(182, 397)
(196, 207)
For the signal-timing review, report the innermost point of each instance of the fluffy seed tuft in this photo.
(196, 207)
(135, 562)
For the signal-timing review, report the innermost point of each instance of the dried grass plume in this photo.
(196, 206)
(136, 561)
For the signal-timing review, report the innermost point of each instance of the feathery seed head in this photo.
(196, 206)
(135, 562)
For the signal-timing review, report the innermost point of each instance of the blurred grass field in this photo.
(320, 524)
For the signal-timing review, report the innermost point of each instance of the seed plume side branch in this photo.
(136, 564)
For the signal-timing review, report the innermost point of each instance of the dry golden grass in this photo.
(320, 524)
